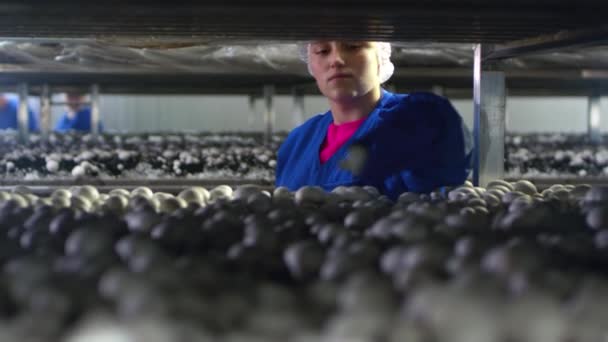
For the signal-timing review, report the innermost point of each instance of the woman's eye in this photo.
(321, 52)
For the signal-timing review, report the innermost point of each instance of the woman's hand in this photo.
(356, 159)
(404, 138)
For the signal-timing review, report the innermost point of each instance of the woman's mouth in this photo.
(339, 77)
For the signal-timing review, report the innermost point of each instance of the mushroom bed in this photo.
(138, 156)
(469, 264)
(243, 156)
(555, 155)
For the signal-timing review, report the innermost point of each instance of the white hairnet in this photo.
(383, 50)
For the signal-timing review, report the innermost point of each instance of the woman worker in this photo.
(9, 106)
(395, 142)
(77, 116)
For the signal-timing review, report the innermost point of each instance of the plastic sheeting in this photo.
(246, 57)
(461, 55)
(101, 57)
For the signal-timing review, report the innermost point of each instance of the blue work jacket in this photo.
(8, 116)
(416, 142)
(80, 122)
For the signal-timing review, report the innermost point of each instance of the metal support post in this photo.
(594, 119)
(438, 90)
(297, 110)
(251, 119)
(489, 100)
(23, 124)
(269, 114)
(95, 115)
(45, 112)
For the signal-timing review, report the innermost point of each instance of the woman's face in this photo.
(344, 69)
(74, 101)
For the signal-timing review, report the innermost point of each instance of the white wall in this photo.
(231, 113)
(542, 114)
(559, 114)
(198, 113)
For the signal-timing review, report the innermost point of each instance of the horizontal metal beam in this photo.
(550, 43)
(455, 81)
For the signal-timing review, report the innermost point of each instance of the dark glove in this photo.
(404, 138)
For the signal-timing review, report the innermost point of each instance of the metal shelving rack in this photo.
(498, 29)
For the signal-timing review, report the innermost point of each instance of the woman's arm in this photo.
(420, 132)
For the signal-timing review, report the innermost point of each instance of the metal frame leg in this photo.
(269, 115)
(95, 114)
(22, 112)
(594, 117)
(438, 90)
(45, 112)
(252, 112)
(489, 100)
(297, 110)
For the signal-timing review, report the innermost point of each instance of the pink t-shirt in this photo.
(337, 135)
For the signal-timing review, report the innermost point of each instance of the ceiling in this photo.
(238, 46)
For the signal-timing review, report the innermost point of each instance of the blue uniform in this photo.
(80, 122)
(416, 142)
(8, 116)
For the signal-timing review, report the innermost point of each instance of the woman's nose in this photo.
(337, 58)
